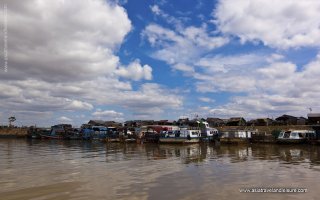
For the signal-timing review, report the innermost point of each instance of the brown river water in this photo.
(58, 170)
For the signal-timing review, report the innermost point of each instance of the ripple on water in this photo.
(92, 170)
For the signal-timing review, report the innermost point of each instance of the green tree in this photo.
(11, 120)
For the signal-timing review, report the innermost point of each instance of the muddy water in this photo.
(83, 170)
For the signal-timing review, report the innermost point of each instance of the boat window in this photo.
(300, 135)
(286, 135)
(194, 133)
(294, 134)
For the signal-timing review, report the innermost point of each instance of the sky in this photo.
(70, 61)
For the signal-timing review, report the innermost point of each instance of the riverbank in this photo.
(13, 132)
(266, 130)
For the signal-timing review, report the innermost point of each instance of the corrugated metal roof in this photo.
(314, 115)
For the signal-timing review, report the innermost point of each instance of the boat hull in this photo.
(291, 141)
(179, 140)
(234, 140)
(57, 137)
(112, 139)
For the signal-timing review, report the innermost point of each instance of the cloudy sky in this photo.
(75, 60)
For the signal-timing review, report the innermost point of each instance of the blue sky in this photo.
(122, 60)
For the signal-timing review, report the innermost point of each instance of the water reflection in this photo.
(195, 153)
(44, 169)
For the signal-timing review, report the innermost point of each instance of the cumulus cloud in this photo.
(62, 58)
(183, 67)
(183, 46)
(279, 88)
(63, 41)
(206, 99)
(64, 119)
(79, 105)
(108, 115)
(135, 71)
(229, 73)
(155, 9)
(260, 83)
(280, 24)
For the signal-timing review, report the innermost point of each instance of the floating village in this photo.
(285, 129)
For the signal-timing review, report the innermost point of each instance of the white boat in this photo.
(208, 133)
(296, 136)
(180, 136)
(236, 136)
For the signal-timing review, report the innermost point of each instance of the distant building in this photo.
(96, 122)
(314, 118)
(214, 122)
(302, 121)
(260, 122)
(104, 123)
(287, 120)
(236, 121)
(163, 122)
(138, 123)
(183, 121)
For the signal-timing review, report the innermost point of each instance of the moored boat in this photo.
(183, 136)
(208, 133)
(236, 136)
(296, 136)
(112, 135)
(57, 132)
(35, 133)
(99, 133)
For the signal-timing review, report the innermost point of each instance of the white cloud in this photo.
(206, 99)
(234, 73)
(64, 119)
(278, 88)
(183, 68)
(64, 41)
(220, 63)
(135, 71)
(62, 58)
(280, 24)
(79, 105)
(155, 9)
(183, 46)
(108, 115)
(168, 18)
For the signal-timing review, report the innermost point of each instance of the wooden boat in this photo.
(183, 136)
(86, 133)
(208, 133)
(61, 132)
(99, 133)
(236, 136)
(296, 136)
(149, 137)
(112, 135)
(35, 133)
(128, 137)
(57, 132)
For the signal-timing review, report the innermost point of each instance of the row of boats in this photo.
(172, 134)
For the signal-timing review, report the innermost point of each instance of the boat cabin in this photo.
(207, 131)
(297, 135)
(238, 134)
(99, 131)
